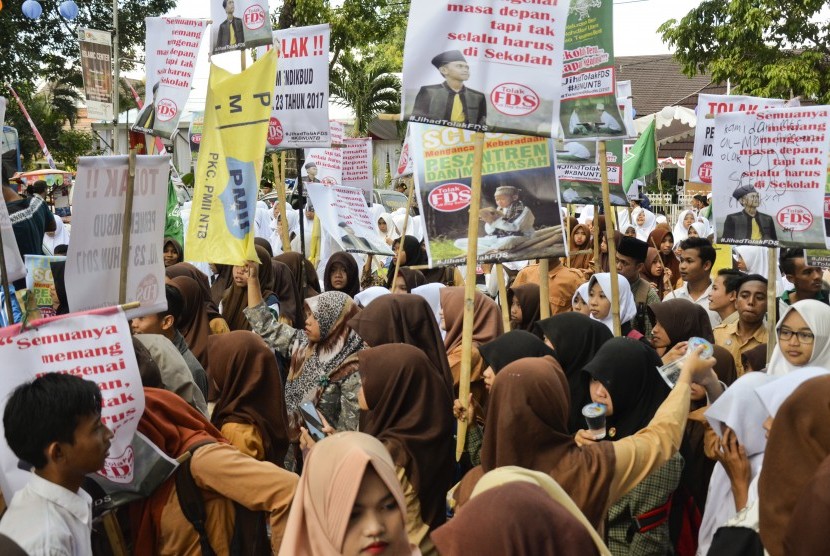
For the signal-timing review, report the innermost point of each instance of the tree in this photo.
(764, 47)
(367, 85)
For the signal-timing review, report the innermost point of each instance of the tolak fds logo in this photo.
(450, 197)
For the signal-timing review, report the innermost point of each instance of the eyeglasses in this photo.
(785, 334)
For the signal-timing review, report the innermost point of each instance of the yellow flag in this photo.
(237, 112)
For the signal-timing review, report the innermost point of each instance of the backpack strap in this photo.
(192, 503)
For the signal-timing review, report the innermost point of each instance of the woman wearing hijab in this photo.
(349, 502)
(524, 306)
(736, 418)
(599, 288)
(342, 274)
(175, 375)
(59, 237)
(675, 321)
(654, 272)
(510, 347)
(432, 294)
(235, 298)
(527, 426)
(807, 533)
(412, 254)
(754, 359)
(249, 410)
(575, 339)
(803, 338)
(411, 416)
(193, 322)
(364, 298)
(644, 222)
(173, 252)
(310, 286)
(388, 230)
(681, 228)
(487, 326)
(580, 240)
(407, 280)
(579, 301)
(662, 239)
(698, 229)
(284, 287)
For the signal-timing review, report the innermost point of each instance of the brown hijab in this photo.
(655, 238)
(187, 269)
(177, 246)
(412, 416)
(412, 278)
(807, 532)
(527, 426)
(799, 442)
(352, 287)
(248, 382)
(582, 260)
(193, 323)
(681, 319)
(487, 324)
(295, 262)
(527, 296)
(653, 278)
(235, 298)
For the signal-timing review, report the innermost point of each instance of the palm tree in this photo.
(367, 85)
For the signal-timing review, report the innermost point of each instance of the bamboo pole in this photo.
(125, 230)
(244, 61)
(280, 185)
(505, 307)
(544, 289)
(597, 233)
(612, 247)
(470, 290)
(401, 239)
(657, 157)
(114, 535)
(772, 299)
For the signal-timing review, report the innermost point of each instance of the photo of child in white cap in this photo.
(507, 224)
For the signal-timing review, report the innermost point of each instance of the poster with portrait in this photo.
(326, 165)
(485, 67)
(239, 24)
(579, 174)
(769, 176)
(357, 165)
(520, 216)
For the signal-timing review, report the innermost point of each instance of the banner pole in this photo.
(470, 290)
(299, 155)
(505, 307)
(243, 61)
(280, 185)
(612, 247)
(597, 233)
(400, 240)
(125, 230)
(772, 273)
(4, 282)
(657, 158)
(544, 289)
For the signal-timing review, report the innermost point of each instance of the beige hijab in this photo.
(175, 373)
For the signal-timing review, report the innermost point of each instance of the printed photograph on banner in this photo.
(345, 216)
(625, 103)
(325, 165)
(489, 67)
(579, 176)
(520, 217)
(404, 167)
(589, 99)
(41, 283)
(357, 165)
(194, 133)
(96, 69)
(709, 105)
(239, 24)
(171, 49)
(769, 177)
(300, 115)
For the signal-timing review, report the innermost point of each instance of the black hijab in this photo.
(58, 274)
(515, 345)
(576, 338)
(352, 287)
(415, 255)
(628, 370)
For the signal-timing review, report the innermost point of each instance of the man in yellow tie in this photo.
(749, 223)
(450, 102)
(231, 31)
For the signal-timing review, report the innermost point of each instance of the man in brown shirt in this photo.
(749, 330)
(562, 283)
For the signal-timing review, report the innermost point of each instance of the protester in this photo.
(412, 254)
(724, 294)
(341, 274)
(631, 257)
(562, 283)
(681, 228)
(580, 240)
(600, 301)
(303, 273)
(364, 298)
(174, 374)
(644, 222)
(284, 287)
(696, 259)
(58, 237)
(510, 347)
(653, 273)
(579, 301)
(806, 280)
(524, 304)
(216, 323)
(408, 279)
(675, 321)
(173, 252)
(31, 219)
(662, 239)
(749, 330)
(432, 294)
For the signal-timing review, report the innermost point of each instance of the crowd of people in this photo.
(316, 408)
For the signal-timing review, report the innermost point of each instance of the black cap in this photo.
(309, 165)
(447, 57)
(632, 247)
(744, 190)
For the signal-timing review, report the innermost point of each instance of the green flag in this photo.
(173, 226)
(641, 160)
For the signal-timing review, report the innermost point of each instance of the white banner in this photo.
(625, 102)
(405, 163)
(702, 154)
(93, 263)
(171, 50)
(96, 68)
(239, 24)
(93, 346)
(357, 165)
(300, 115)
(325, 165)
(39, 281)
(494, 66)
(344, 215)
(769, 176)
(14, 262)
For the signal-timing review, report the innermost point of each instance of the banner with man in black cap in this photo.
(451, 100)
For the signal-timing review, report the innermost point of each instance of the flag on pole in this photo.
(641, 160)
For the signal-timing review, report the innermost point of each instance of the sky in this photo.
(635, 33)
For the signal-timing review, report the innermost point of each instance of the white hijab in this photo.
(680, 231)
(370, 294)
(432, 293)
(262, 220)
(586, 214)
(391, 228)
(647, 227)
(292, 216)
(817, 316)
(628, 307)
(740, 409)
(755, 258)
(775, 393)
(61, 236)
(701, 229)
(583, 292)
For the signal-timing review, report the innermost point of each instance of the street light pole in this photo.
(117, 76)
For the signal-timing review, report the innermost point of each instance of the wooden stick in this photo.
(125, 230)
(657, 156)
(389, 117)
(470, 290)
(280, 185)
(130, 305)
(612, 247)
(505, 307)
(400, 240)
(114, 535)
(772, 298)
(544, 289)
(597, 233)
(244, 61)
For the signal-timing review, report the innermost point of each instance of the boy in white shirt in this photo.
(54, 424)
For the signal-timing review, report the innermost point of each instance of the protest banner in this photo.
(229, 167)
(625, 103)
(519, 200)
(96, 68)
(404, 167)
(344, 215)
(96, 254)
(300, 116)
(578, 172)
(357, 165)
(589, 99)
(194, 133)
(709, 105)
(769, 177)
(39, 281)
(485, 67)
(817, 257)
(171, 49)
(325, 165)
(239, 24)
(95, 346)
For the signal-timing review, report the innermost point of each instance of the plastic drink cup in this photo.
(671, 371)
(594, 414)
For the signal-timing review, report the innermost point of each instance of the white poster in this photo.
(171, 50)
(239, 24)
(39, 281)
(96, 69)
(492, 66)
(702, 154)
(404, 167)
(769, 176)
(93, 346)
(625, 102)
(325, 165)
(345, 216)
(93, 263)
(357, 165)
(300, 115)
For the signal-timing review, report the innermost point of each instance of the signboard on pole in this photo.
(404, 167)
(357, 165)
(39, 281)
(325, 165)
(194, 133)
(579, 176)
(94, 259)
(239, 24)
(96, 68)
